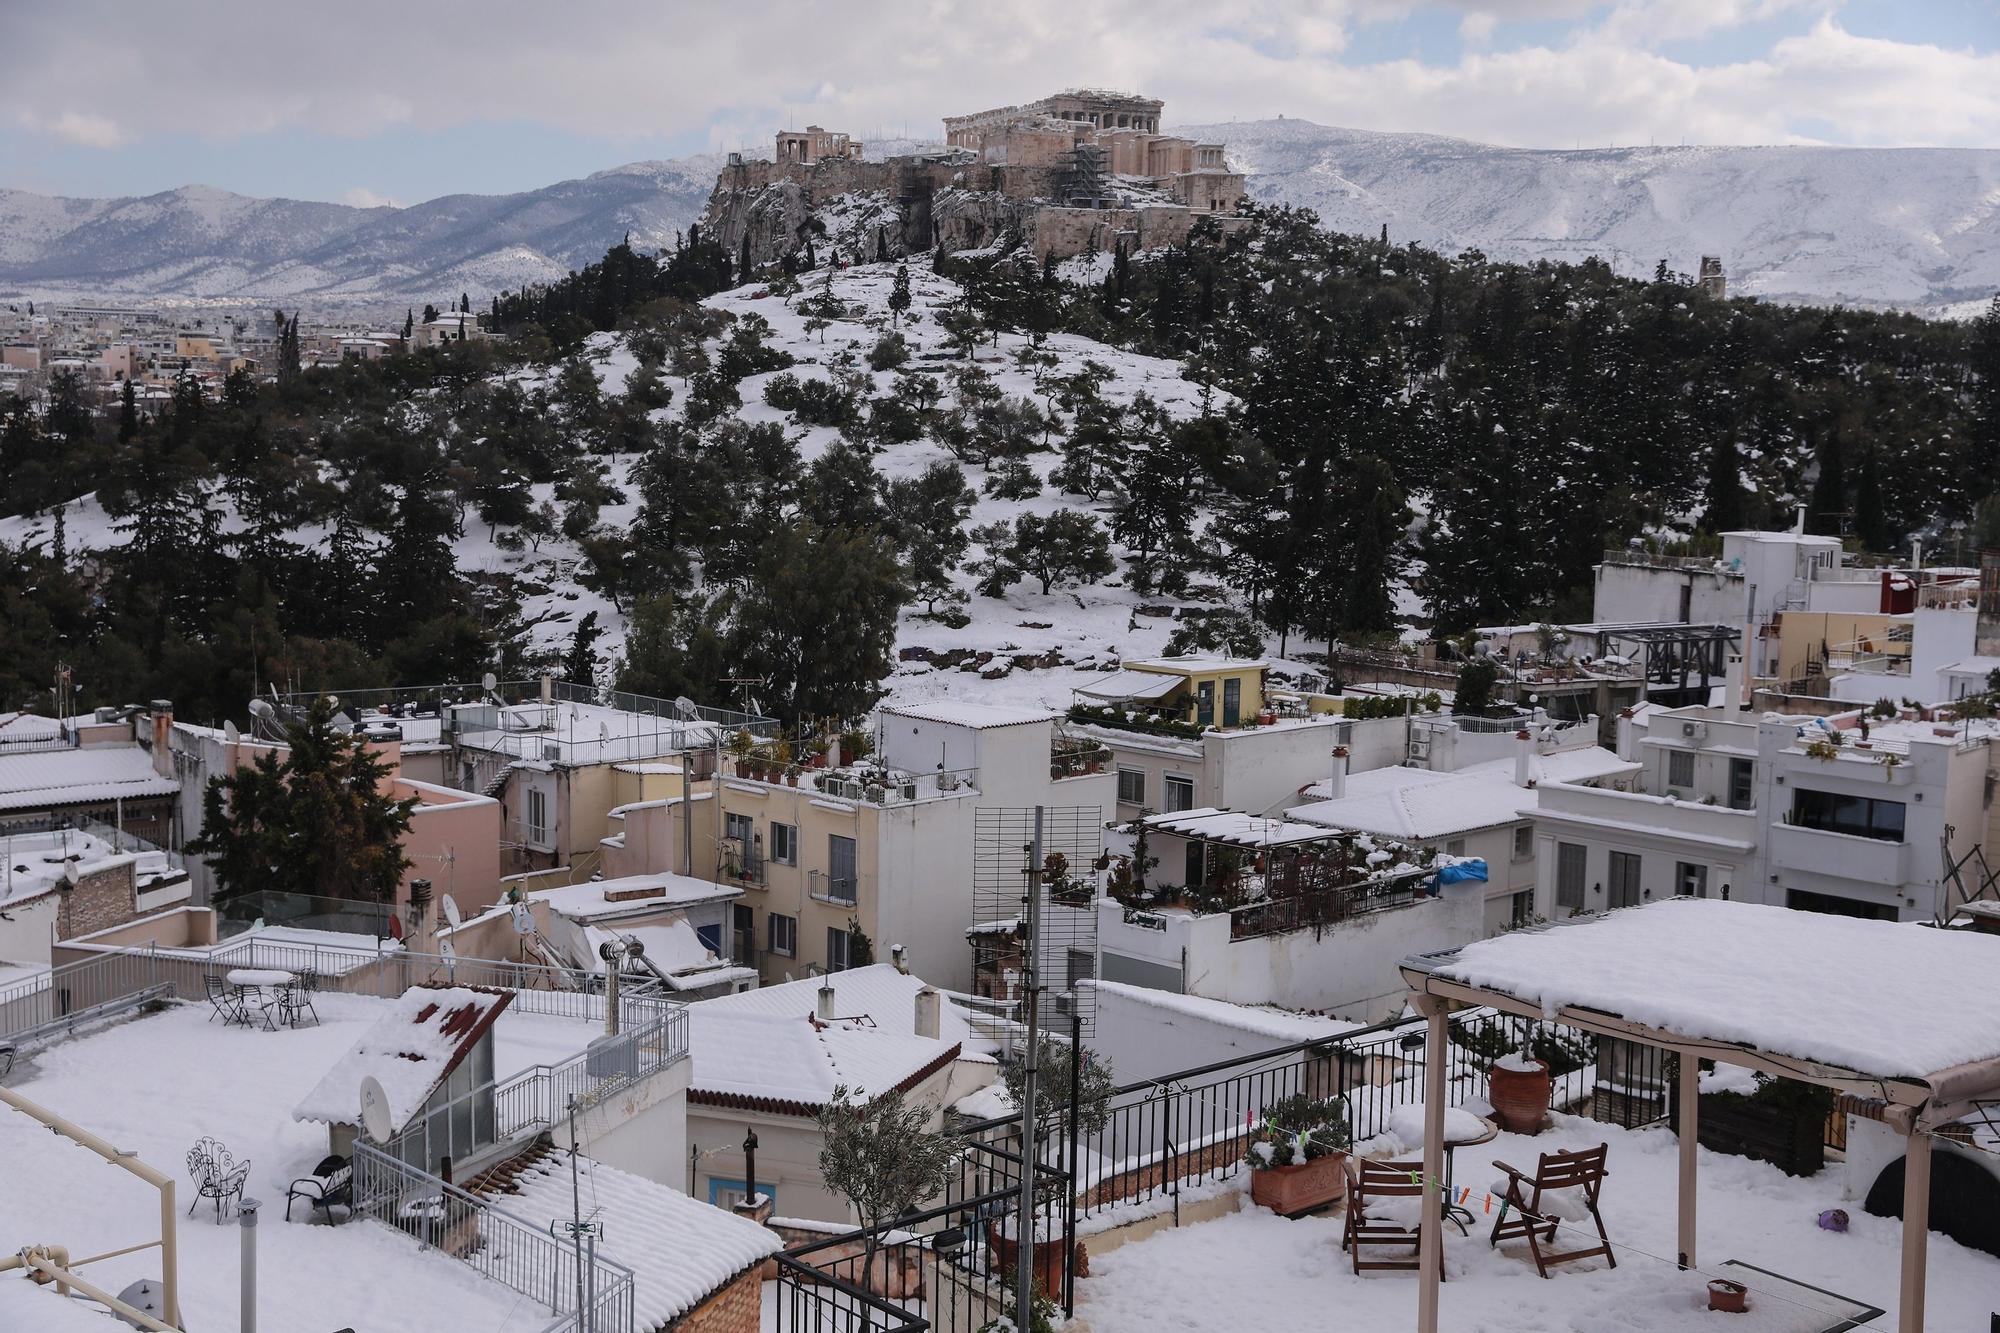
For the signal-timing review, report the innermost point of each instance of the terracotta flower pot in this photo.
(1001, 1250)
(1728, 1297)
(1292, 1190)
(1520, 1097)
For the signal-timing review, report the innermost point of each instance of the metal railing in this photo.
(1330, 906)
(1647, 560)
(492, 1241)
(843, 890)
(652, 1036)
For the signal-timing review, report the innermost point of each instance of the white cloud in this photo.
(363, 197)
(77, 127)
(1476, 28)
(739, 70)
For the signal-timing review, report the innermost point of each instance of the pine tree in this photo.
(409, 323)
(127, 413)
(899, 296)
(465, 301)
(881, 246)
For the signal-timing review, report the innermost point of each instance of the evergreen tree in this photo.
(580, 663)
(1068, 546)
(315, 823)
(409, 323)
(899, 295)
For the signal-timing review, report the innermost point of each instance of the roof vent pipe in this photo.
(826, 1004)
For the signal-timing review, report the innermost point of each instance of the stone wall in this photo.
(736, 1308)
(106, 895)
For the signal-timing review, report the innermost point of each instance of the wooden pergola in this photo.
(1665, 995)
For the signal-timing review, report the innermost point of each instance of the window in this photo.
(1232, 701)
(1680, 769)
(1860, 816)
(1690, 881)
(785, 844)
(836, 948)
(1180, 794)
(726, 1194)
(1524, 842)
(1197, 872)
(1080, 965)
(538, 815)
(1455, 847)
(840, 867)
(1131, 786)
(740, 827)
(784, 934)
(1742, 772)
(1624, 879)
(1569, 876)
(1521, 908)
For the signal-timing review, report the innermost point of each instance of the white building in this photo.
(1484, 810)
(1835, 814)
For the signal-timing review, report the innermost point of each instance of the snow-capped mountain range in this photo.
(1910, 227)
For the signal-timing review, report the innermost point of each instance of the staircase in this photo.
(499, 1178)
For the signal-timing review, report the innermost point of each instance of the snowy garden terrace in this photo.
(154, 1084)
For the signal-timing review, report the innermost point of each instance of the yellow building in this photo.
(1201, 691)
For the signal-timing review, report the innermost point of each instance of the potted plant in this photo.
(1728, 1297)
(1092, 1109)
(1297, 1154)
(1521, 1064)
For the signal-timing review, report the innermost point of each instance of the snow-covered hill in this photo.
(1025, 647)
(1907, 227)
(1914, 227)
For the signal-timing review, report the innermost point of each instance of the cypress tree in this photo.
(128, 414)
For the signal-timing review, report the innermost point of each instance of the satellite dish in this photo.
(687, 708)
(524, 920)
(488, 681)
(445, 951)
(261, 709)
(451, 912)
(375, 1110)
(230, 735)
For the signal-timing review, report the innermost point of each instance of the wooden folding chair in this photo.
(1394, 1192)
(1563, 1190)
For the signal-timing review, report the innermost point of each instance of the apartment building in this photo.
(869, 853)
(1847, 814)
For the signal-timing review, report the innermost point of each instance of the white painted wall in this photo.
(1349, 969)
(1143, 1039)
(644, 1129)
(28, 930)
(1637, 593)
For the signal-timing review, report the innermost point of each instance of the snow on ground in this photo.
(1256, 1270)
(158, 1083)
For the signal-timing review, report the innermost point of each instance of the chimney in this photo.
(548, 687)
(901, 958)
(422, 928)
(825, 1003)
(1336, 783)
(930, 1013)
(1524, 754)
(1628, 735)
(163, 734)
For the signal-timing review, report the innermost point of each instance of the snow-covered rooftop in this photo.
(1129, 684)
(793, 1065)
(1883, 998)
(1242, 830)
(680, 1250)
(1279, 1025)
(886, 996)
(409, 1051)
(603, 899)
(46, 778)
(1421, 804)
(1197, 665)
(976, 716)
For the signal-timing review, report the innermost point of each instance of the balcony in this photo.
(838, 890)
(1838, 855)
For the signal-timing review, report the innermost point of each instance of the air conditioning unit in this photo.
(1694, 731)
(552, 751)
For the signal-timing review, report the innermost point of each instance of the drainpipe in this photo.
(246, 1213)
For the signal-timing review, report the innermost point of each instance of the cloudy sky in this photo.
(373, 102)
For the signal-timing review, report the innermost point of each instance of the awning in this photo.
(1121, 685)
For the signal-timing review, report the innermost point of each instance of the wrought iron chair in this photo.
(1563, 1189)
(294, 1003)
(330, 1185)
(217, 1175)
(226, 1001)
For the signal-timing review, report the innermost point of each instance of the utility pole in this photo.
(1031, 984)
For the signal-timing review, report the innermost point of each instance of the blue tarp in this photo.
(1473, 868)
